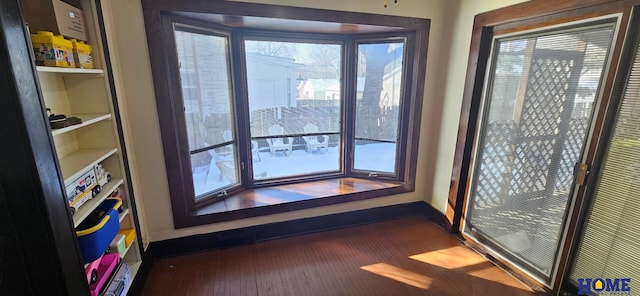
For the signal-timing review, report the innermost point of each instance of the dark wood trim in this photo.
(14, 276)
(260, 233)
(33, 190)
(415, 96)
(279, 11)
(557, 19)
(155, 39)
(542, 9)
(241, 107)
(434, 215)
(349, 87)
(476, 69)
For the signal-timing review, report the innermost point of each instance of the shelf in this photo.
(61, 70)
(122, 215)
(91, 204)
(87, 119)
(127, 249)
(134, 268)
(80, 161)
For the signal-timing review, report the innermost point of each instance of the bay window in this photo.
(248, 107)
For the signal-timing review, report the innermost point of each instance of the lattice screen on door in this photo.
(535, 121)
(535, 154)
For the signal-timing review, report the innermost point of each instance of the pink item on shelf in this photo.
(107, 266)
(91, 269)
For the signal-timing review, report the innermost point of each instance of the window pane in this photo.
(379, 90)
(205, 80)
(294, 103)
(213, 170)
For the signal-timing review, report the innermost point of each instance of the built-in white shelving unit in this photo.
(87, 95)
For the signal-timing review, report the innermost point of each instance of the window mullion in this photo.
(349, 114)
(405, 119)
(241, 107)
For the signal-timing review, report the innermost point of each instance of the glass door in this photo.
(536, 116)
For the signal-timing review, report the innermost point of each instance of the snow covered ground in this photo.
(378, 157)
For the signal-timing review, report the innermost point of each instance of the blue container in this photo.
(97, 231)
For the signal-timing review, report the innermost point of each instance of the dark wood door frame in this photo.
(524, 16)
(31, 191)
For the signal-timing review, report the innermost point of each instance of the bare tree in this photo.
(376, 56)
(327, 58)
(271, 48)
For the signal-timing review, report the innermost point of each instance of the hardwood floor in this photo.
(408, 256)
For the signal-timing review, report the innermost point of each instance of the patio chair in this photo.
(280, 143)
(227, 137)
(313, 141)
(226, 170)
(226, 167)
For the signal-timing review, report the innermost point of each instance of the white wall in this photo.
(446, 64)
(460, 15)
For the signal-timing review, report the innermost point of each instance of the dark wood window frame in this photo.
(525, 16)
(338, 188)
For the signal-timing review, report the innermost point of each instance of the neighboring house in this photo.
(324, 92)
(273, 81)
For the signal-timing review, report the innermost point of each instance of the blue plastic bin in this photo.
(97, 231)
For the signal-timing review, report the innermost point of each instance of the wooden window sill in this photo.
(291, 197)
